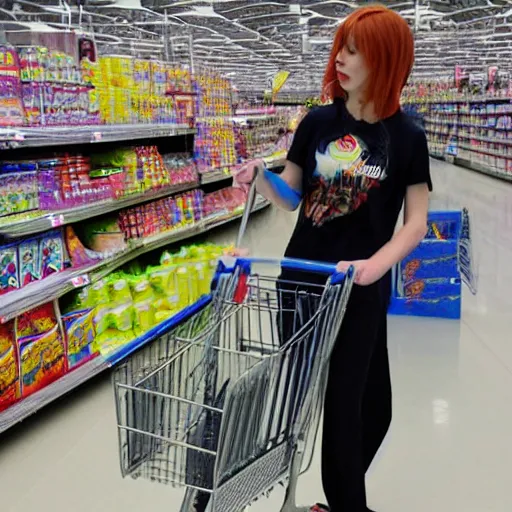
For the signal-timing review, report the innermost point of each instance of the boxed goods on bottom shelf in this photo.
(40, 346)
(32, 354)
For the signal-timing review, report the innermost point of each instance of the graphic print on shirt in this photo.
(346, 170)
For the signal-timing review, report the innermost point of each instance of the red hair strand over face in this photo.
(386, 43)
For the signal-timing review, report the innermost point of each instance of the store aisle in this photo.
(449, 448)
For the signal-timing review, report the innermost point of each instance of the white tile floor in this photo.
(450, 447)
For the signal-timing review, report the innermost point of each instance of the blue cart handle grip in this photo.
(315, 267)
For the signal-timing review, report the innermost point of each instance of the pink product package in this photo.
(31, 94)
(11, 108)
(51, 247)
(29, 261)
(50, 197)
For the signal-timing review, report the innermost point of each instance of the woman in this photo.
(353, 163)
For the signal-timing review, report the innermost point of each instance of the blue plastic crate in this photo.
(428, 281)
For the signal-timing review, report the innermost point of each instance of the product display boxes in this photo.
(429, 281)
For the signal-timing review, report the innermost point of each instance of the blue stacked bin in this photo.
(428, 282)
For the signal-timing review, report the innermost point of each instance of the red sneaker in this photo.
(319, 508)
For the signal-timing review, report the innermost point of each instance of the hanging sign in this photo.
(279, 81)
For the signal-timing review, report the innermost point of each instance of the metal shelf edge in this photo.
(33, 403)
(474, 166)
(49, 136)
(69, 216)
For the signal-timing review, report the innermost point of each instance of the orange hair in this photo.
(386, 42)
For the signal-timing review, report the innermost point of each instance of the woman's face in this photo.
(351, 69)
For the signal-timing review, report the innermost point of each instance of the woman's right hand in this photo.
(244, 175)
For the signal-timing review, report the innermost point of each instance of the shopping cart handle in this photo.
(315, 267)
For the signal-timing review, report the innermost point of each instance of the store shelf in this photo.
(485, 152)
(224, 174)
(30, 405)
(15, 303)
(11, 138)
(503, 142)
(476, 99)
(40, 292)
(62, 217)
(474, 166)
(215, 176)
(221, 219)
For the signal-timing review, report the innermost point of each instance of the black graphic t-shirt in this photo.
(355, 175)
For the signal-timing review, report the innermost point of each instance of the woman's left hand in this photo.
(367, 272)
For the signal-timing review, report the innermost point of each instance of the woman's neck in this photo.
(360, 110)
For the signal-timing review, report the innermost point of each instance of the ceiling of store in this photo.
(250, 40)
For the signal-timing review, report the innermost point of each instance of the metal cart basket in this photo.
(228, 403)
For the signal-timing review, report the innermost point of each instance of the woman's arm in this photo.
(291, 176)
(411, 233)
(405, 240)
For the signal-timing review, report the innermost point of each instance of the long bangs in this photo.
(386, 42)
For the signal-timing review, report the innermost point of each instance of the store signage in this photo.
(279, 80)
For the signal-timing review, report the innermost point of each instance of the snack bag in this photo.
(9, 269)
(79, 327)
(9, 378)
(164, 284)
(37, 321)
(28, 254)
(9, 374)
(42, 360)
(119, 290)
(7, 338)
(121, 317)
(144, 303)
(51, 249)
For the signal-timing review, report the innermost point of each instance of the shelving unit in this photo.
(62, 162)
(66, 282)
(59, 218)
(478, 139)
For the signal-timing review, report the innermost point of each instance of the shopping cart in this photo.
(228, 403)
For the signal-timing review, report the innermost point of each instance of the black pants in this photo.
(357, 411)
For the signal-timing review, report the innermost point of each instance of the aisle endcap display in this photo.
(57, 285)
(11, 138)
